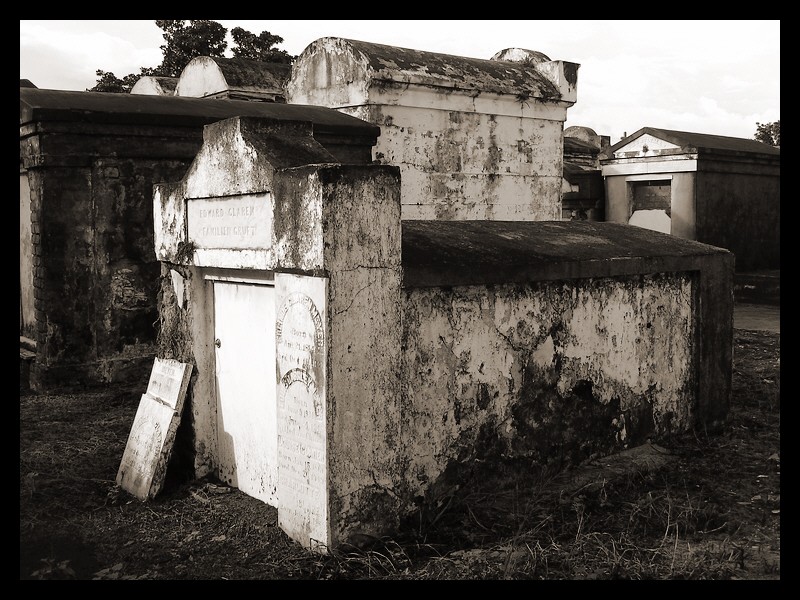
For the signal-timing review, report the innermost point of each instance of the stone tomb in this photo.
(88, 162)
(144, 462)
(474, 139)
(283, 255)
(350, 364)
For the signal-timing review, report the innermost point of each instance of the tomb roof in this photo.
(59, 105)
(367, 61)
(690, 140)
(207, 75)
(449, 253)
(151, 84)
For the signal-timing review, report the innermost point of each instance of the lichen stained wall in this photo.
(233, 162)
(359, 227)
(458, 164)
(475, 139)
(552, 371)
(98, 275)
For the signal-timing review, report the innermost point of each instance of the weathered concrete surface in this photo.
(27, 260)
(357, 233)
(419, 346)
(349, 139)
(466, 165)
(95, 272)
(437, 254)
(302, 408)
(239, 160)
(521, 55)
(331, 66)
(485, 254)
(475, 139)
(554, 371)
(155, 86)
(556, 342)
(362, 235)
(149, 446)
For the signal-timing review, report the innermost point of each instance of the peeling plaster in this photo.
(548, 371)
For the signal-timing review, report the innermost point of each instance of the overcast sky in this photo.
(717, 77)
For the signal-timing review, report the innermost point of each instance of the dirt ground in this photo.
(710, 511)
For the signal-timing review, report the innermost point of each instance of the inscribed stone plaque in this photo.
(144, 462)
(302, 449)
(168, 381)
(237, 222)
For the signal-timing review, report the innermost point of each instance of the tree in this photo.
(108, 82)
(260, 47)
(185, 40)
(769, 133)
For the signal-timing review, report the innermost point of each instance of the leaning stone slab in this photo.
(144, 462)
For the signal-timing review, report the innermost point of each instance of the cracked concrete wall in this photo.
(554, 371)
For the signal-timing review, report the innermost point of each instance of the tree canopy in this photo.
(259, 47)
(769, 133)
(188, 39)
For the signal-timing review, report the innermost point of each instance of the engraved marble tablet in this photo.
(144, 462)
(240, 222)
(302, 460)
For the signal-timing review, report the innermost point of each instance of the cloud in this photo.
(79, 56)
(707, 76)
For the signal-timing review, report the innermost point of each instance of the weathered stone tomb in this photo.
(347, 361)
(474, 139)
(88, 271)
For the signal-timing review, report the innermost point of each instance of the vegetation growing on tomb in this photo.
(711, 512)
(769, 133)
(188, 39)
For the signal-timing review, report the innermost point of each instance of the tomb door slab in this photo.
(244, 340)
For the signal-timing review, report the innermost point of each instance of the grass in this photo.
(711, 511)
